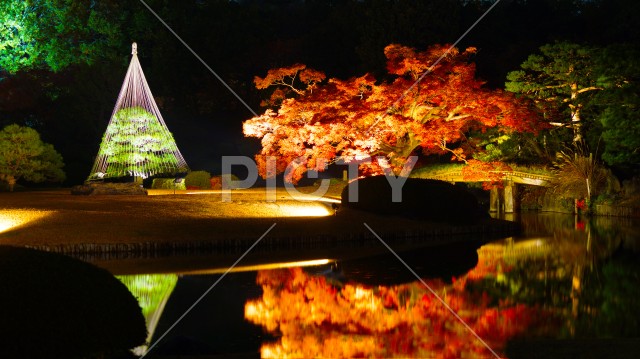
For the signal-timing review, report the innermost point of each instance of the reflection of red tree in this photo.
(317, 319)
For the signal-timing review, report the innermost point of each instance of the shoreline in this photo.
(434, 236)
(144, 226)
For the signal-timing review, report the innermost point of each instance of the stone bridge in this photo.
(501, 199)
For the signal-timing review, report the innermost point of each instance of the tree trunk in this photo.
(576, 121)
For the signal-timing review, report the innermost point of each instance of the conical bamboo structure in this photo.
(137, 141)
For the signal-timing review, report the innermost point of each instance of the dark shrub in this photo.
(198, 179)
(167, 183)
(100, 188)
(54, 306)
(421, 198)
(216, 181)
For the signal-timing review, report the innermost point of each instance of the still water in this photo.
(563, 279)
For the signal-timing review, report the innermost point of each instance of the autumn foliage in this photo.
(316, 121)
(288, 79)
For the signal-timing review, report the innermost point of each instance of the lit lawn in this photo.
(51, 218)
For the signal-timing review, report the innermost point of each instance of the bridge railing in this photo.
(516, 176)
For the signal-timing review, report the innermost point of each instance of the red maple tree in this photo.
(361, 117)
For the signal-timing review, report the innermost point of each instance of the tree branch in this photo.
(586, 89)
(290, 85)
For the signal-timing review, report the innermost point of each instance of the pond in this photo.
(566, 285)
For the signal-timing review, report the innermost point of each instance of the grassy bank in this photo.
(57, 221)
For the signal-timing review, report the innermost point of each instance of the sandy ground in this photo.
(56, 220)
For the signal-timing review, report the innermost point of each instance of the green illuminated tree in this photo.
(23, 155)
(590, 91)
(52, 34)
(561, 78)
(136, 144)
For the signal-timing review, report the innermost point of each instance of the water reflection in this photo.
(566, 277)
(153, 292)
(317, 319)
(584, 276)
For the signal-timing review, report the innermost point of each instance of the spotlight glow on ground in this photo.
(305, 209)
(14, 218)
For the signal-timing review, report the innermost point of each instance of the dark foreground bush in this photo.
(421, 198)
(54, 306)
(198, 180)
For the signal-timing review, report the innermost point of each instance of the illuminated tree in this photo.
(591, 91)
(137, 142)
(295, 79)
(23, 155)
(562, 78)
(53, 34)
(361, 117)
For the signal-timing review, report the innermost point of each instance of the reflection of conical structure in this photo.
(137, 142)
(153, 292)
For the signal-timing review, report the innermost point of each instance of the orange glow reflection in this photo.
(317, 319)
